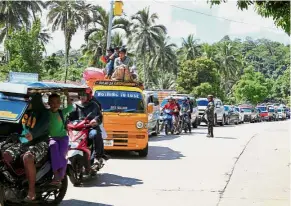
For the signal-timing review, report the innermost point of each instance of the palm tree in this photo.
(165, 81)
(16, 14)
(100, 20)
(190, 48)
(117, 39)
(165, 57)
(67, 16)
(230, 62)
(146, 35)
(94, 48)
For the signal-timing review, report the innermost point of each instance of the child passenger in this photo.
(59, 140)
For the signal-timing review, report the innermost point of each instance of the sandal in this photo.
(55, 182)
(29, 199)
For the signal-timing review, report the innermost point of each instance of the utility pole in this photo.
(110, 24)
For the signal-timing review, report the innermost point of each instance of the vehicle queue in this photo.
(130, 115)
(223, 114)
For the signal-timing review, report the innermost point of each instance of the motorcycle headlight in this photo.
(139, 125)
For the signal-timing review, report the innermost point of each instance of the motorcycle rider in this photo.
(90, 105)
(175, 109)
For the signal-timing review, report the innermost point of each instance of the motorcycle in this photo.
(79, 153)
(168, 121)
(13, 181)
(185, 122)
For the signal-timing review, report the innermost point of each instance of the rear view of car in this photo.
(202, 105)
(263, 113)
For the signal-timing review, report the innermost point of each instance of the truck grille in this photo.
(120, 139)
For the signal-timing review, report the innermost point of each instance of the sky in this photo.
(187, 19)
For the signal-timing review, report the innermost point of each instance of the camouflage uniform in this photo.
(210, 117)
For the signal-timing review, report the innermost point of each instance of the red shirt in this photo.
(171, 106)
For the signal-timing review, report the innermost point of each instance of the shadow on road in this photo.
(163, 138)
(155, 153)
(73, 202)
(225, 137)
(109, 180)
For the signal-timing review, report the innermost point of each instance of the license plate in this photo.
(108, 143)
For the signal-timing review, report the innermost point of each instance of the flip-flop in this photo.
(30, 199)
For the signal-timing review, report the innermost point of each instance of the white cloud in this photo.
(179, 29)
(255, 23)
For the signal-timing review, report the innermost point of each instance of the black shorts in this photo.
(39, 151)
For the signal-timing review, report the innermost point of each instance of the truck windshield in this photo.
(271, 110)
(202, 102)
(120, 101)
(279, 110)
(226, 108)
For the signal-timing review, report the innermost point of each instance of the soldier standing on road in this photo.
(210, 115)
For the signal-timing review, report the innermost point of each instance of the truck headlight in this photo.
(139, 125)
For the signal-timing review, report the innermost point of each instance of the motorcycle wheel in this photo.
(189, 127)
(58, 194)
(75, 176)
(2, 196)
(166, 129)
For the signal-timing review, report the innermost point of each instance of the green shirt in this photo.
(56, 126)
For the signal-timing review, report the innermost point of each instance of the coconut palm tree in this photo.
(100, 18)
(229, 63)
(67, 16)
(146, 35)
(190, 48)
(164, 81)
(16, 14)
(94, 48)
(165, 57)
(117, 39)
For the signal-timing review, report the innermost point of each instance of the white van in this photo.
(219, 115)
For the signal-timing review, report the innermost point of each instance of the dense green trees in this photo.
(233, 69)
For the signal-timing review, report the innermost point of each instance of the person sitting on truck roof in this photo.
(123, 59)
(113, 54)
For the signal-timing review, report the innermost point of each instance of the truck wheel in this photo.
(144, 152)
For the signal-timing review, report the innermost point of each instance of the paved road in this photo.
(245, 165)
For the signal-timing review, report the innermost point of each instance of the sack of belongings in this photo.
(122, 73)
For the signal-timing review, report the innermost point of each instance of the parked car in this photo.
(241, 114)
(154, 117)
(287, 113)
(231, 115)
(281, 114)
(219, 116)
(271, 113)
(263, 112)
(247, 110)
(255, 116)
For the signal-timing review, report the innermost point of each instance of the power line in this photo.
(219, 17)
